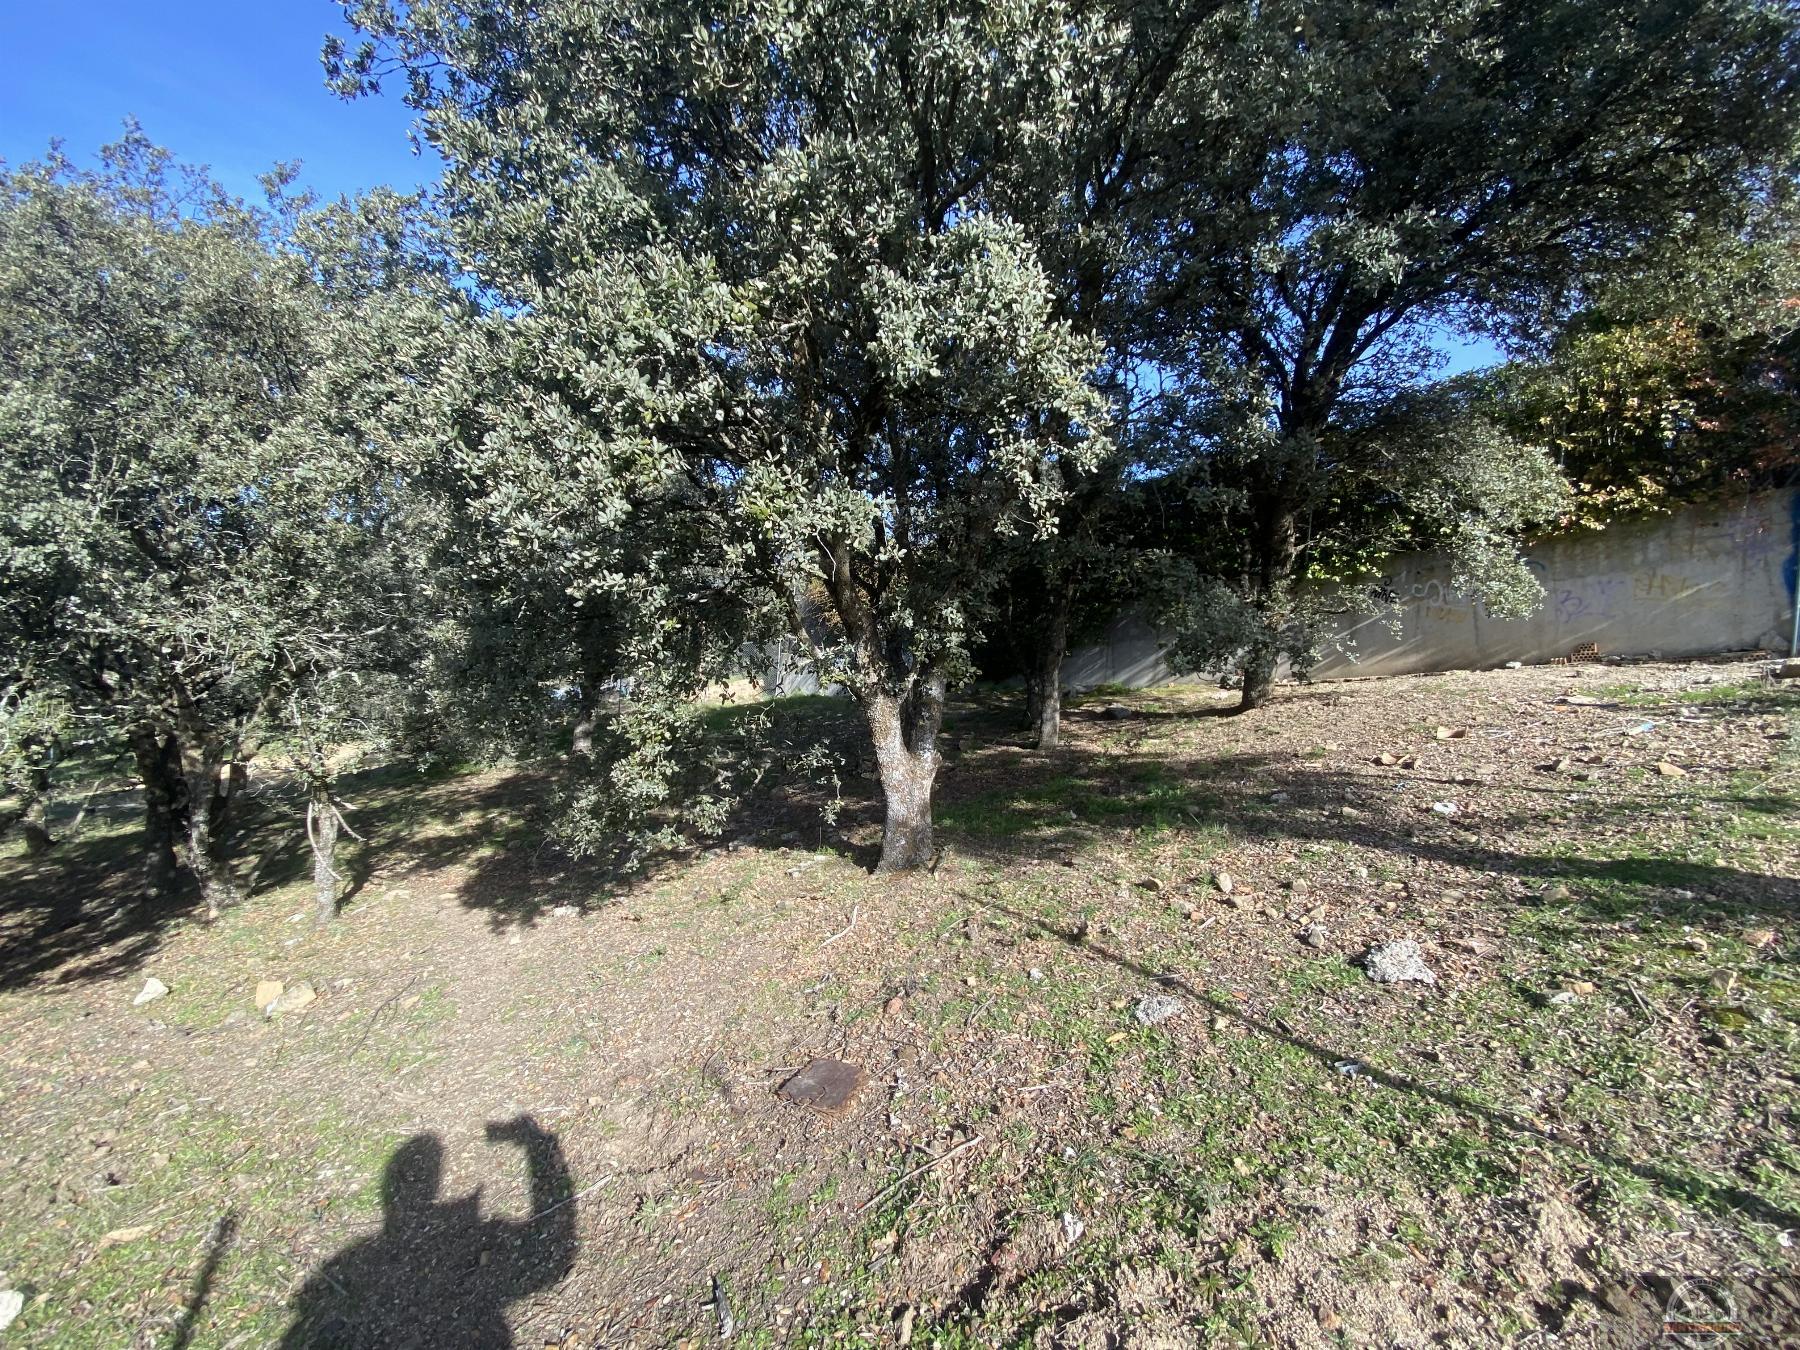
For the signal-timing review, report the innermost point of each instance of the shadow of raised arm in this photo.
(535, 1252)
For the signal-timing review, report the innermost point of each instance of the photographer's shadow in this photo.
(438, 1274)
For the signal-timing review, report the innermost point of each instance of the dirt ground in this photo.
(528, 1108)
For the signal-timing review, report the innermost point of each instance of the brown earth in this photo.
(530, 1104)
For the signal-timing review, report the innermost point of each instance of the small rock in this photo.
(267, 991)
(1668, 770)
(1761, 937)
(1387, 758)
(905, 1333)
(1563, 996)
(293, 999)
(1154, 1008)
(120, 1236)
(1452, 733)
(153, 989)
(1315, 935)
(1073, 1227)
(1397, 962)
(1445, 808)
(1035, 975)
(12, 1303)
(1224, 882)
(1151, 884)
(1115, 712)
(893, 1005)
(563, 912)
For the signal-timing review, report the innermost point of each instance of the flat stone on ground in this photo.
(825, 1084)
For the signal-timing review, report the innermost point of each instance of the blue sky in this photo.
(234, 86)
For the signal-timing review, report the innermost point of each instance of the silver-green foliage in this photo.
(787, 361)
(203, 418)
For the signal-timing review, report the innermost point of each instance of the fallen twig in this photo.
(385, 1004)
(919, 1171)
(854, 910)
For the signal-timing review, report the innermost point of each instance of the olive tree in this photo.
(773, 318)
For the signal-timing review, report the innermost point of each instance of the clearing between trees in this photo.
(524, 1106)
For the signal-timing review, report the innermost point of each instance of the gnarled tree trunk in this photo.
(322, 835)
(165, 798)
(905, 731)
(211, 782)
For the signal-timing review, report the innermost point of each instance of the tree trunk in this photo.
(1276, 549)
(1034, 700)
(1052, 643)
(581, 741)
(34, 827)
(322, 834)
(164, 806)
(28, 819)
(905, 733)
(209, 798)
(1259, 678)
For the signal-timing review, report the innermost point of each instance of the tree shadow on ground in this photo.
(76, 913)
(439, 1274)
(1687, 1189)
(787, 809)
(999, 800)
(71, 913)
(1071, 805)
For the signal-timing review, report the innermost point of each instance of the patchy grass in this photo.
(1600, 1085)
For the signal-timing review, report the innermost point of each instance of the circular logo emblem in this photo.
(1701, 1311)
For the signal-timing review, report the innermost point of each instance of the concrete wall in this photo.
(1705, 579)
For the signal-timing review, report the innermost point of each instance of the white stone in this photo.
(1398, 962)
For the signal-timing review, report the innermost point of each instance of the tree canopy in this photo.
(870, 328)
(196, 399)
